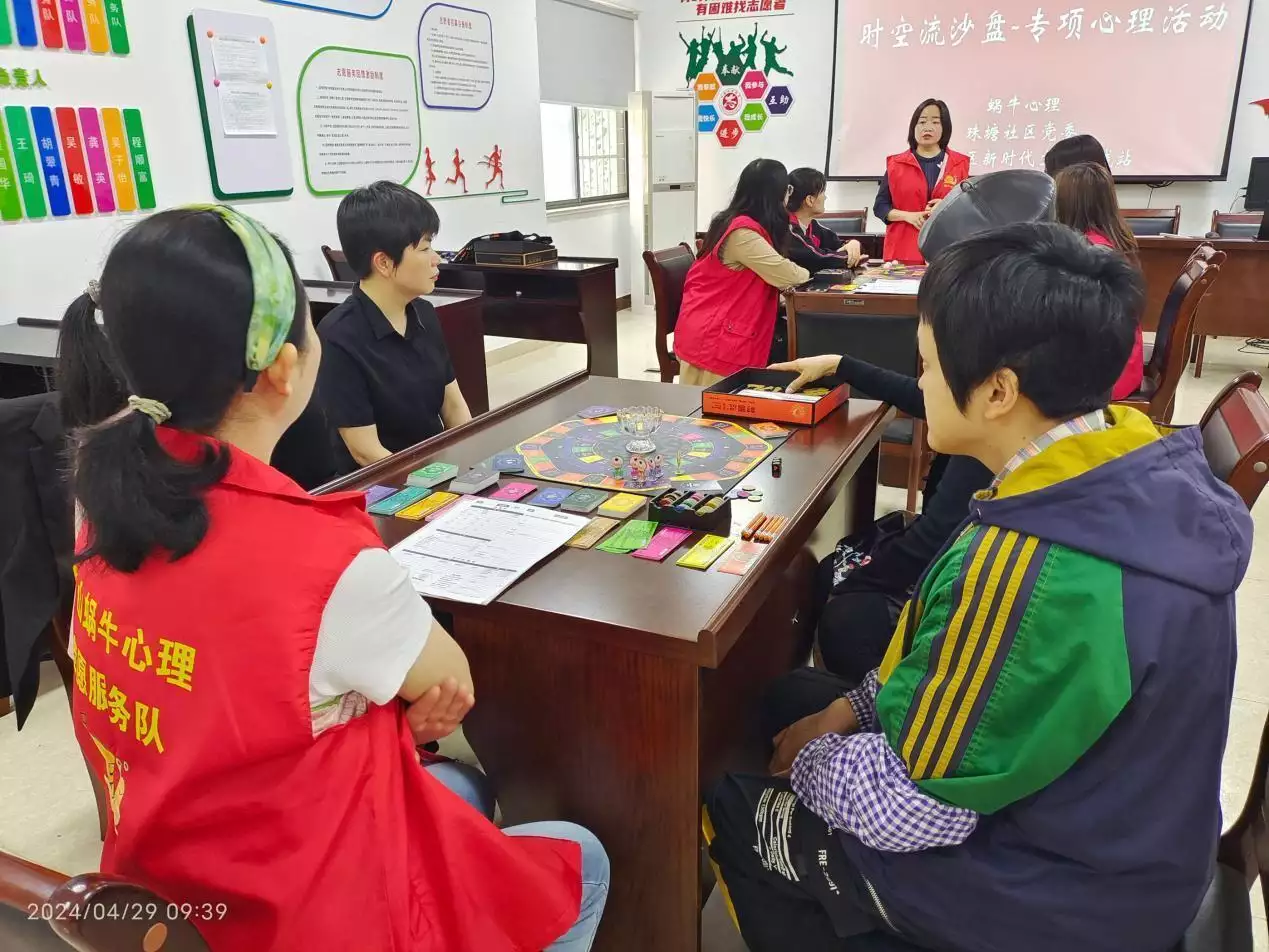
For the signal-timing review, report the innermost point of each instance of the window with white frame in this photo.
(583, 155)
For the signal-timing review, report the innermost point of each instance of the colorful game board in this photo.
(581, 452)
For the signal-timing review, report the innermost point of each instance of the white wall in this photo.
(599, 232)
(801, 138)
(45, 264)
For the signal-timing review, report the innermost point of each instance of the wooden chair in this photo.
(1240, 225)
(1236, 436)
(668, 269)
(1153, 221)
(337, 261)
(1224, 920)
(1157, 395)
(90, 913)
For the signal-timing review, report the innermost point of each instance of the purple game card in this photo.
(375, 493)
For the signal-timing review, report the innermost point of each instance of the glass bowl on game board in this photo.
(640, 423)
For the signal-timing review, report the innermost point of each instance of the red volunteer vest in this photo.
(728, 317)
(192, 704)
(1129, 381)
(910, 192)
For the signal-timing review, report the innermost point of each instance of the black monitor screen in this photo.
(1258, 185)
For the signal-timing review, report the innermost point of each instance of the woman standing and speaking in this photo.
(918, 179)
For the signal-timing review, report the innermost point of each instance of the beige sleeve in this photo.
(745, 248)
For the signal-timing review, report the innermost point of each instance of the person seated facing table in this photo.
(387, 382)
(815, 247)
(1036, 764)
(1073, 150)
(732, 293)
(244, 651)
(1086, 201)
(862, 586)
(917, 180)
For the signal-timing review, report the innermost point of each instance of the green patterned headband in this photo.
(273, 307)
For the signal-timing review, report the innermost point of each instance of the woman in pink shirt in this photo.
(1086, 202)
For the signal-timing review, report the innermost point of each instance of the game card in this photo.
(509, 463)
(663, 543)
(740, 558)
(622, 505)
(376, 493)
(391, 505)
(768, 431)
(596, 412)
(584, 501)
(514, 492)
(433, 474)
(549, 498)
(595, 530)
(702, 555)
(424, 507)
(635, 534)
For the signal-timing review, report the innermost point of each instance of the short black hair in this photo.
(945, 116)
(383, 217)
(806, 182)
(1072, 151)
(1038, 299)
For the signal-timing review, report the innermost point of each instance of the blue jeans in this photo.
(595, 876)
(468, 782)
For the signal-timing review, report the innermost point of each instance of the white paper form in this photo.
(478, 549)
(890, 286)
(241, 57)
(246, 109)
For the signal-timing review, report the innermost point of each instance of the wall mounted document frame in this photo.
(241, 166)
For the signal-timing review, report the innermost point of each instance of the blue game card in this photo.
(549, 498)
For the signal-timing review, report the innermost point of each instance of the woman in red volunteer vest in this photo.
(1086, 201)
(918, 179)
(732, 294)
(244, 651)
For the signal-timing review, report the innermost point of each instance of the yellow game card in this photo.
(705, 553)
(591, 533)
(422, 508)
(622, 505)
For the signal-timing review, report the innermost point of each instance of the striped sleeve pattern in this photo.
(967, 650)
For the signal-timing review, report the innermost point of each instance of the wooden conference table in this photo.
(462, 323)
(572, 300)
(1238, 303)
(613, 691)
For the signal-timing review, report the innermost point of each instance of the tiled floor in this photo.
(46, 807)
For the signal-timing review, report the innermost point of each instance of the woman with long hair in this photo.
(732, 294)
(244, 651)
(918, 179)
(813, 246)
(1086, 201)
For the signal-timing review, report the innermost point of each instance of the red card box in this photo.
(720, 400)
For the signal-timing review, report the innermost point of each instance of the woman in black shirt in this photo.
(386, 380)
(815, 247)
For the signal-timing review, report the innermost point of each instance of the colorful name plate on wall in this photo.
(96, 26)
(65, 160)
(366, 9)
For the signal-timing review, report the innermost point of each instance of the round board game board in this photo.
(581, 452)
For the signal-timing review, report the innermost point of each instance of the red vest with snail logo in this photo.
(192, 704)
(910, 192)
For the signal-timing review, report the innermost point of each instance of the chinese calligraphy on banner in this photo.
(64, 160)
(1019, 77)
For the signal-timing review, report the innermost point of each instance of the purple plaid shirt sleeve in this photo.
(857, 783)
(863, 701)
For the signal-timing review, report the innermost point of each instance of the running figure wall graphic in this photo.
(458, 172)
(430, 165)
(493, 162)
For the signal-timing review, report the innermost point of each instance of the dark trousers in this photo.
(854, 627)
(787, 881)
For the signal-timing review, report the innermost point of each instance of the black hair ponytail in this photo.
(176, 295)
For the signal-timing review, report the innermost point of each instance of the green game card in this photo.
(10, 202)
(6, 31)
(118, 27)
(140, 157)
(26, 161)
(634, 535)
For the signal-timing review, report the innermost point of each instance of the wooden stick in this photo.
(754, 525)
